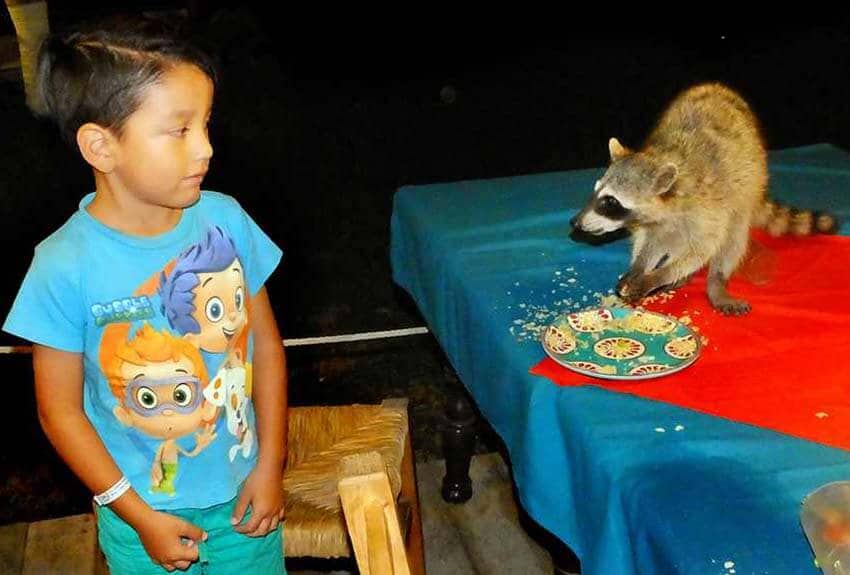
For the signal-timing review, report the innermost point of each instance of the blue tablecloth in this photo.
(488, 262)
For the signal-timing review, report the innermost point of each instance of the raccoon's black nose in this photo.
(574, 221)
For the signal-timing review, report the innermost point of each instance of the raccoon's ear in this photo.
(665, 178)
(617, 150)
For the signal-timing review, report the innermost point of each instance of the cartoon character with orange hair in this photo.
(159, 381)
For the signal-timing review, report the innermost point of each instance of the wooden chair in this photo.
(350, 488)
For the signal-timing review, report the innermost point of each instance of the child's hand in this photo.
(263, 491)
(205, 437)
(163, 538)
(156, 474)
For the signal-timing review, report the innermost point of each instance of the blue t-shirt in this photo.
(163, 326)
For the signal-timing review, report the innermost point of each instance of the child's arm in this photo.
(263, 489)
(59, 394)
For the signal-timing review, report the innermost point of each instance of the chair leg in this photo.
(370, 513)
(409, 490)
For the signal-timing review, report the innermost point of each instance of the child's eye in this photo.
(214, 309)
(183, 395)
(239, 299)
(180, 132)
(146, 397)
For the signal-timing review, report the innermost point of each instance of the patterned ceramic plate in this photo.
(621, 343)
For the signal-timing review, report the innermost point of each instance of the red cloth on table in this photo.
(785, 366)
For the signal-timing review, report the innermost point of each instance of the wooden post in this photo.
(370, 513)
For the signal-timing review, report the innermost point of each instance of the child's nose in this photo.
(204, 148)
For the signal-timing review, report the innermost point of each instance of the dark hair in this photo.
(100, 74)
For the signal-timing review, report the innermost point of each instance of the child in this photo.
(154, 340)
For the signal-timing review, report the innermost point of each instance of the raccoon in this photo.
(690, 195)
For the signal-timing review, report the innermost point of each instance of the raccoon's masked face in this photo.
(606, 212)
(628, 192)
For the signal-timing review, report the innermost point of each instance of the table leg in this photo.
(458, 445)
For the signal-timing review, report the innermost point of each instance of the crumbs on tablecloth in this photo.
(564, 299)
(729, 567)
(537, 317)
(662, 297)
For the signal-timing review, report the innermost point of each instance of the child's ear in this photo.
(96, 144)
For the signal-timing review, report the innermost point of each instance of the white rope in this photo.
(366, 336)
(10, 349)
(304, 341)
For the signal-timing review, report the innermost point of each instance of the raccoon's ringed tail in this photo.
(779, 220)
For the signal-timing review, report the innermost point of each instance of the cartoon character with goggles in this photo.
(159, 381)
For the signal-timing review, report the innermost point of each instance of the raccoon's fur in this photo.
(690, 195)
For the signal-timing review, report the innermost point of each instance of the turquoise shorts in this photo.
(225, 551)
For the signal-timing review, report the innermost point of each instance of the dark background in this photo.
(318, 122)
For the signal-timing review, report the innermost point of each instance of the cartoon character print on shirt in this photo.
(159, 382)
(205, 299)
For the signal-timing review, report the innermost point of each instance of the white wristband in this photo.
(113, 493)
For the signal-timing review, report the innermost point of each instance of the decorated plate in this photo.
(621, 343)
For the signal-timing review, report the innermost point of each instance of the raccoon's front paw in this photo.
(678, 283)
(632, 287)
(731, 306)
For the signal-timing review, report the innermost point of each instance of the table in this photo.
(486, 261)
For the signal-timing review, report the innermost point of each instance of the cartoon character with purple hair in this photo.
(204, 299)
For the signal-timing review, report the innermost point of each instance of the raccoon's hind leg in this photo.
(720, 268)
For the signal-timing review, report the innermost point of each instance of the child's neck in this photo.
(127, 214)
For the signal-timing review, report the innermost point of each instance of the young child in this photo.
(159, 369)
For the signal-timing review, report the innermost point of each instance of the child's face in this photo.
(164, 150)
(164, 399)
(220, 308)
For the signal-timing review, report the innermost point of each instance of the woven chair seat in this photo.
(319, 437)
